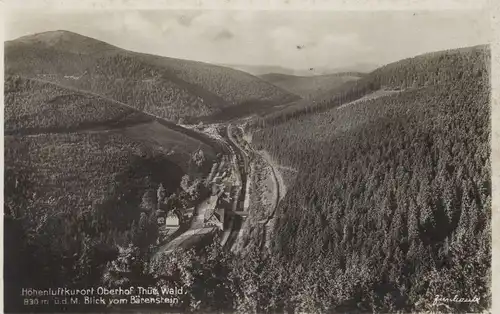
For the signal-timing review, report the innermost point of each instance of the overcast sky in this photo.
(326, 39)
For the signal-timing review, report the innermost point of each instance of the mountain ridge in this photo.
(57, 37)
(259, 70)
(413, 72)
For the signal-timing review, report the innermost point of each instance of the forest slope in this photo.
(171, 88)
(393, 195)
(442, 67)
(81, 176)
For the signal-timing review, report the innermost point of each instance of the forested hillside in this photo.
(170, 88)
(81, 177)
(32, 107)
(443, 67)
(308, 86)
(392, 202)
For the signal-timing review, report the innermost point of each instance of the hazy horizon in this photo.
(291, 40)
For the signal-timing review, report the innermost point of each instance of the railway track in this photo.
(242, 166)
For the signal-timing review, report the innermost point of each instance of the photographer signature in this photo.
(440, 300)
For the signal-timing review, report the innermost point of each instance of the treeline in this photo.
(392, 201)
(443, 67)
(34, 106)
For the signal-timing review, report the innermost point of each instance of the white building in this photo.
(172, 220)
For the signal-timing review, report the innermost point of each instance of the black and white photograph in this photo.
(247, 161)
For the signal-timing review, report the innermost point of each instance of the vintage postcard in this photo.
(269, 157)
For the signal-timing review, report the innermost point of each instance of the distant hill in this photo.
(64, 41)
(362, 67)
(170, 88)
(308, 86)
(259, 70)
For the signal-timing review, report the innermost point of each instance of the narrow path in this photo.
(89, 130)
(279, 185)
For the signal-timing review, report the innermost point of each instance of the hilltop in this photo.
(308, 86)
(63, 41)
(173, 89)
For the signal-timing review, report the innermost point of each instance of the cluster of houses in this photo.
(172, 220)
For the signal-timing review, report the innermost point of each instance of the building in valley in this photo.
(215, 218)
(172, 221)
